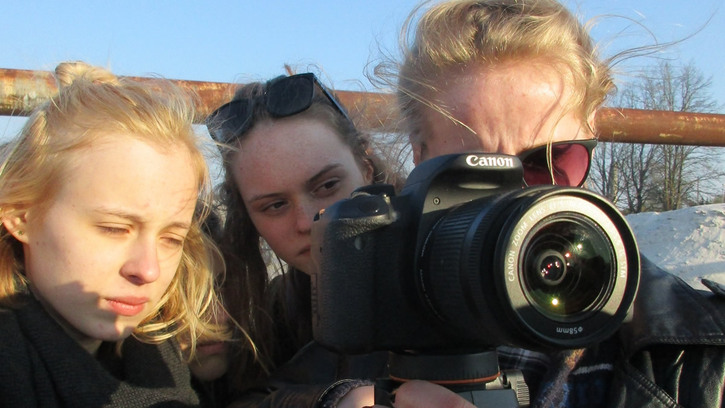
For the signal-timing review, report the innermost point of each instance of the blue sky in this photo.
(239, 41)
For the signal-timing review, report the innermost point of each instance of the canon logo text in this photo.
(489, 161)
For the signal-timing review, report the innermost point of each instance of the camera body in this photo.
(465, 258)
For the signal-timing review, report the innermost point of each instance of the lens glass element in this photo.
(568, 268)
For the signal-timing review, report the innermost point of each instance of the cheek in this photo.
(276, 231)
(358, 180)
(49, 256)
(169, 268)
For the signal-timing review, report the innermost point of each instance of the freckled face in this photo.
(507, 109)
(287, 171)
(105, 249)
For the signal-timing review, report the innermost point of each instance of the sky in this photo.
(246, 40)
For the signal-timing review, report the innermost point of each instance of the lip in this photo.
(304, 251)
(128, 305)
(211, 348)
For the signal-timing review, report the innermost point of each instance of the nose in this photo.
(305, 213)
(142, 265)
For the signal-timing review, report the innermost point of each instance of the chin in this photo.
(209, 369)
(112, 334)
(306, 267)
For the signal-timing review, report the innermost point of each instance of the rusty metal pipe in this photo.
(660, 127)
(23, 90)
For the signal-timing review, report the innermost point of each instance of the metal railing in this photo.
(22, 90)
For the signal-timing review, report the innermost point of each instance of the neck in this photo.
(89, 344)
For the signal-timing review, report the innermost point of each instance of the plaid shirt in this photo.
(564, 379)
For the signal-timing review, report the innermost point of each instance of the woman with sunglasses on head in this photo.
(522, 77)
(104, 262)
(289, 150)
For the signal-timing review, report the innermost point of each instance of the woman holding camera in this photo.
(522, 77)
(289, 150)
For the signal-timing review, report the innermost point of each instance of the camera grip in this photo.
(343, 288)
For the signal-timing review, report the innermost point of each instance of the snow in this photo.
(689, 242)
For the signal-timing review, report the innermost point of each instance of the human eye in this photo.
(273, 207)
(173, 240)
(114, 229)
(327, 187)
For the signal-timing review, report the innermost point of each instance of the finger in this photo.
(423, 394)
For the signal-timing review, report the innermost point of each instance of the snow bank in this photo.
(689, 242)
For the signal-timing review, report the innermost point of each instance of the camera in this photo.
(466, 258)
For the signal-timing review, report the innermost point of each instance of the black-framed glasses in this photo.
(570, 163)
(283, 96)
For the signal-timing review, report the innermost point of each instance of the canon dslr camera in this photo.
(464, 258)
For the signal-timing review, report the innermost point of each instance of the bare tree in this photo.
(621, 171)
(662, 177)
(639, 161)
(682, 171)
(606, 172)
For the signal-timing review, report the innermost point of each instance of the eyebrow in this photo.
(320, 174)
(137, 219)
(309, 183)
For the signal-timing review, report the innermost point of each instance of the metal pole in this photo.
(22, 90)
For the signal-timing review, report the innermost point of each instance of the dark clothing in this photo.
(293, 313)
(41, 366)
(670, 354)
(309, 375)
(213, 394)
(674, 349)
(315, 377)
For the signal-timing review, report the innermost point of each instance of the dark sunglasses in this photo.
(283, 96)
(570, 163)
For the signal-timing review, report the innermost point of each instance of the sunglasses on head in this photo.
(283, 96)
(570, 163)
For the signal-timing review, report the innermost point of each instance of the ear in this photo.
(368, 171)
(16, 224)
(417, 147)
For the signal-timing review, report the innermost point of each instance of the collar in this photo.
(669, 311)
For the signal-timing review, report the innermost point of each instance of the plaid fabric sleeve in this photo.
(531, 363)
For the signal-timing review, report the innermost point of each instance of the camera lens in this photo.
(567, 267)
(539, 267)
(551, 266)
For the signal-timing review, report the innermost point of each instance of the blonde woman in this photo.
(523, 77)
(103, 260)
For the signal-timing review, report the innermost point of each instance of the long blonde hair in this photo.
(92, 103)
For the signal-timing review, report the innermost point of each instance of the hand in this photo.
(358, 397)
(423, 394)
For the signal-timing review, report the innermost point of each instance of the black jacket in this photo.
(309, 375)
(41, 366)
(673, 350)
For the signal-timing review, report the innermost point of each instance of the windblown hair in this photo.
(248, 294)
(455, 34)
(93, 104)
